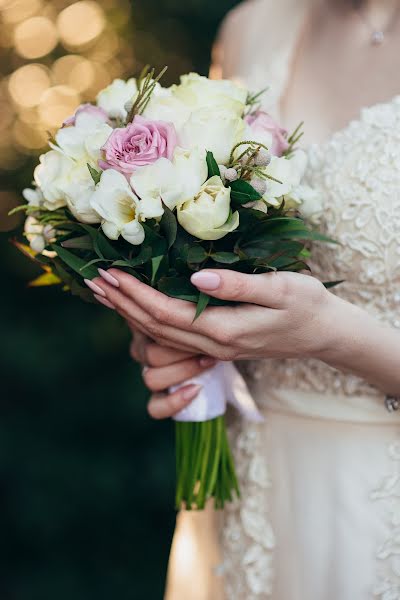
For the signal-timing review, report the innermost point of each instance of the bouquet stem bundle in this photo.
(204, 464)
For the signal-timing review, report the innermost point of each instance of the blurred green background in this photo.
(86, 478)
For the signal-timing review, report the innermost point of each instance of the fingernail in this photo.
(207, 362)
(95, 288)
(145, 369)
(191, 392)
(206, 280)
(108, 277)
(104, 301)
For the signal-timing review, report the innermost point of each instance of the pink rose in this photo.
(265, 130)
(87, 109)
(141, 143)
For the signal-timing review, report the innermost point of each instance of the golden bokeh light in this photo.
(80, 23)
(27, 84)
(35, 37)
(106, 47)
(57, 103)
(16, 11)
(75, 71)
(28, 137)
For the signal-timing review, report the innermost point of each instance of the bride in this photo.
(319, 517)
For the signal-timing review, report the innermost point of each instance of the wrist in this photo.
(342, 326)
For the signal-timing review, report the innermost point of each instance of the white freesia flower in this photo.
(114, 97)
(198, 92)
(50, 175)
(78, 189)
(289, 171)
(34, 197)
(212, 129)
(170, 182)
(207, 216)
(307, 200)
(83, 141)
(37, 234)
(118, 207)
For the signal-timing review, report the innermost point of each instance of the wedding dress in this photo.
(319, 516)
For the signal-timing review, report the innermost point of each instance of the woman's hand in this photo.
(163, 368)
(280, 315)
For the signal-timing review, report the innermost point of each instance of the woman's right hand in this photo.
(164, 367)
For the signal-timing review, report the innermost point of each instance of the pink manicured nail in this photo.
(95, 288)
(206, 280)
(207, 362)
(191, 392)
(108, 277)
(104, 301)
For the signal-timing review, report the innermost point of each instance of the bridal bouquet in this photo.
(162, 182)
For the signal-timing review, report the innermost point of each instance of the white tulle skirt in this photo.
(332, 503)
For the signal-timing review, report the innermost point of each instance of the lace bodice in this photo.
(357, 176)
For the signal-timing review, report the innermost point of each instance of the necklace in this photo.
(377, 36)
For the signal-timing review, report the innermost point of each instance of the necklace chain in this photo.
(378, 35)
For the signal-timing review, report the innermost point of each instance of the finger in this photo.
(161, 307)
(268, 289)
(158, 379)
(163, 406)
(145, 319)
(161, 356)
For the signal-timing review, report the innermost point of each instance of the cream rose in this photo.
(208, 216)
(197, 92)
(114, 97)
(212, 129)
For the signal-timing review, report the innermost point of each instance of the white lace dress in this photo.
(319, 517)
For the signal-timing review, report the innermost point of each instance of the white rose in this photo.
(212, 129)
(114, 97)
(197, 92)
(170, 182)
(167, 107)
(50, 175)
(118, 207)
(289, 171)
(207, 216)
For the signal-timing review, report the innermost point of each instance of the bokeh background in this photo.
(86, 478)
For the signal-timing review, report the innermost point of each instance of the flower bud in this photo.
(38, 243)
(262, 159)
(260, 185)
(222, 171)
(231, 175)
(49, 232)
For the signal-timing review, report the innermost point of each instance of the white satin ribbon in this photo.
(221, 385)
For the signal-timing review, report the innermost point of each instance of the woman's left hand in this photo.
(280, 314)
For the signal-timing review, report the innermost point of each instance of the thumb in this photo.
(265, 290)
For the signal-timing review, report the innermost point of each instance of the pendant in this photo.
(377, 38)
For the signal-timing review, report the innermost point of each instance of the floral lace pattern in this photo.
(248, 538)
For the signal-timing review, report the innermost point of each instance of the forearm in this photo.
(360, 344)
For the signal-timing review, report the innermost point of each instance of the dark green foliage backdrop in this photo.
(86, 479)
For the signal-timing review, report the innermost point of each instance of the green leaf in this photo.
(157, 243)
(226, 258)
(169, 226)
(96, 175)
(196, 255)
(331, 284)
(202, 304)
(155, 265)
(83, 242)
(142, 258)
(242, 192)
(79, 265)
(178, 287)
(102, 246)
(213, 168)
